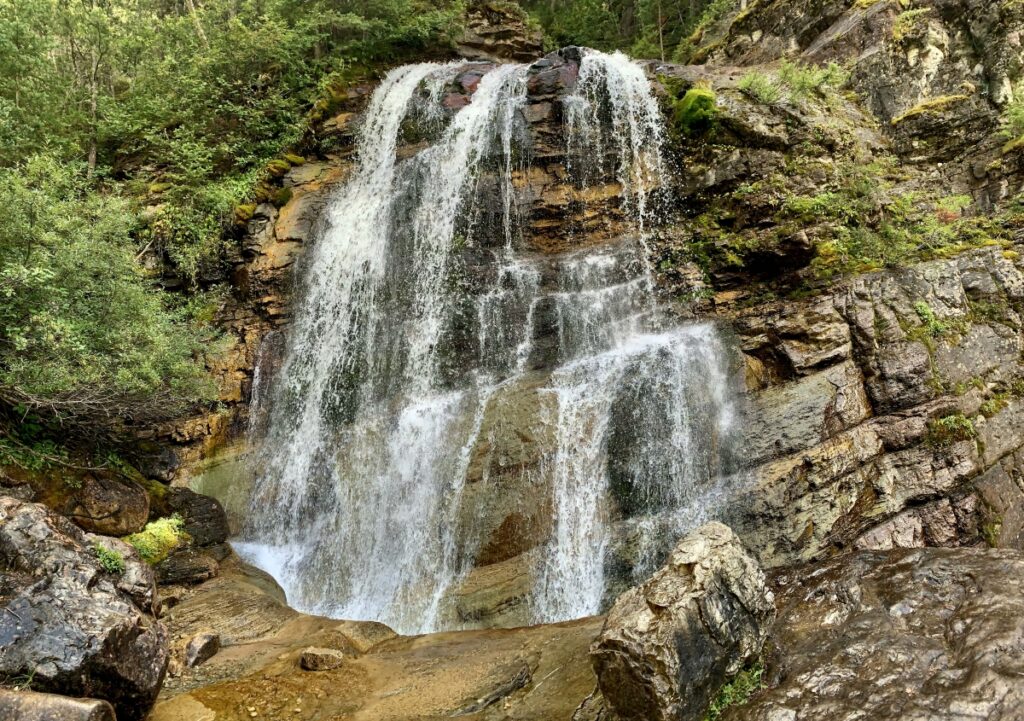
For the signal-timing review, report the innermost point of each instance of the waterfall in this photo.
(419, 303)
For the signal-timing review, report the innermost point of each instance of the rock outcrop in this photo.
(498, 30)
(68, 623)
(895, 636)
(669, 644)
(900, 429)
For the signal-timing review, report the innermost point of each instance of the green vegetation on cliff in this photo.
(130, 130)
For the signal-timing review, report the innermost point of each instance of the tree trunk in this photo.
(195, 21)
(94, 91)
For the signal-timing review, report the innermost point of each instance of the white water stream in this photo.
(397, 346)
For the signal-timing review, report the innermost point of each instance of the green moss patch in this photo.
(930, 107)
(156, 541)
(695, 113)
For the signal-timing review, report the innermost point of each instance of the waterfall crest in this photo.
(420, 305)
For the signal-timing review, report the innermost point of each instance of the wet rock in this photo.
(321, 659)
(815, 407)
(31, 706)
(669, 644)
(67, 622)
(509, 679)
(108, 505)
(1002, 503)
(896, 636)
(201, 648)
(205, 520)
(497, 595)
(187, 566)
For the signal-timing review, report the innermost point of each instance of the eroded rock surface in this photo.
(668, 644)
(541, 673)
(68, 624)
(909, 635)
(860, 459)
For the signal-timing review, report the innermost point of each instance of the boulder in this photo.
(923, 634)
(201, 648)
(108, 505)
(31, 706)
(186, 566)
(669, 644)
(69, 624)
(321, 659)
(205, 520)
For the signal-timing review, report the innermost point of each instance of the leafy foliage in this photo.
(794, 82)
(667, 29)
(81, 333)
(737, 692)
(155, 542)
(132, 129)
(950, 429)
(110, 560)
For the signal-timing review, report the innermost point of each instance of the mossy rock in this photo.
(277, 168)
(157, 188)
(294, 159)
(695, 113)
(263, 192)
(244, 213)
(933, 106)
(280, 197)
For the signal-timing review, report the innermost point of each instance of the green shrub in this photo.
(737, 692)
(907, 22)
(950, 429)
(695, 112)
(802, 80)
(793, 82)
(935, 327)
(764, 88)
(83, 336)
(110, 560)
(158, 538)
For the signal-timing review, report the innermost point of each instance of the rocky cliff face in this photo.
(857, 234)
(882, 410)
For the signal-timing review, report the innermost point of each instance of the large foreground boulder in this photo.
(908, 635)
(669, 644)
(68, 623)
(31, 706)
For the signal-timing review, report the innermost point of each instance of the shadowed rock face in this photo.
(668, 644)
(68, 624)
(925, 635)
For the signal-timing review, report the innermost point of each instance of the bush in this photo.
(111, 561)
(935, 327)
(794, 82)
(763, 88)
(946, 431)
(737, 692)
(83, 336)
(158, 538)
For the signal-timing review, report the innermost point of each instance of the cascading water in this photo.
(397, 347)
